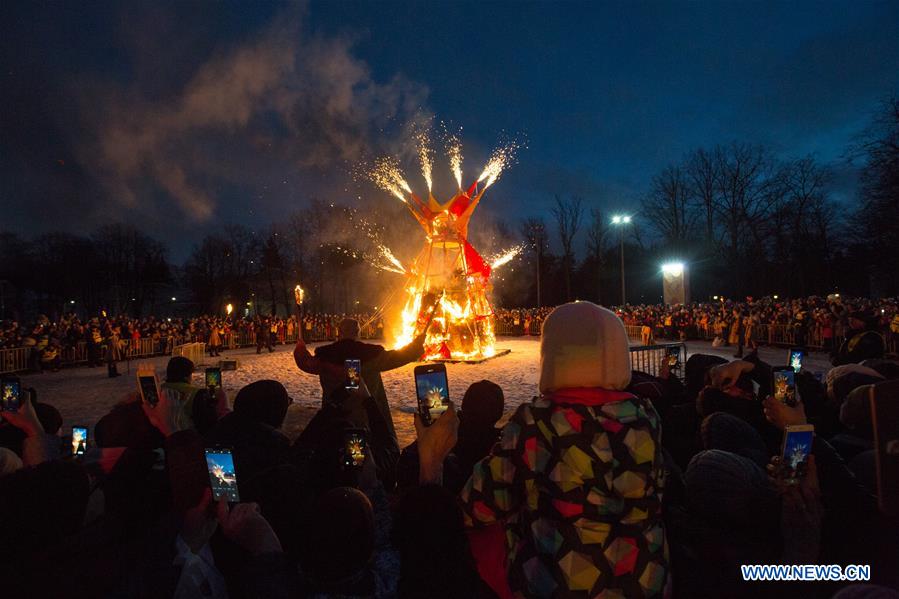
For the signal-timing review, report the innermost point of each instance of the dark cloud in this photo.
(305, 103)
(178, 139)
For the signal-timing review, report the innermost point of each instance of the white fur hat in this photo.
(584, 345)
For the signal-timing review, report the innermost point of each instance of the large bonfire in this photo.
(448, 270)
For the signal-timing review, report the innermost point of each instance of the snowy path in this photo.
(84, 395)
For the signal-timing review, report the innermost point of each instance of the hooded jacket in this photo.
(577, 477)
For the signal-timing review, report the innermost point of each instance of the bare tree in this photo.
(702, 174)
(533, 230)
(668, 206)
(132, 265)
(748, 188)
(568, 215)
(596, 238)
(878, 147)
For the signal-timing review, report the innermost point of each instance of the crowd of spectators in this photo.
(102, 339)
(611, 483)
(820, 322)
(816, 322)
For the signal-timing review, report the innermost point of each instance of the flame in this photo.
(452, 317)
(505, 257)
(499, 160)
(426, 156)
(386, 174)
(454, 153)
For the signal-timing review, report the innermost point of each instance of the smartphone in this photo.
(355, 448)
(148, 386)
(431, 391)
(795, 359)
(214, 378)
(885, 420)
(222, 477)
(797, 446)
(79, 440)
(785, 390)
(673, 353)
(11, 394)
(353, 373)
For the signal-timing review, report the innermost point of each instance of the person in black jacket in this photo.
(375, 360)
(862, 343)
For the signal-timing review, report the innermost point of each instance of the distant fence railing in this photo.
(195, 352)
(14, 359)
(649, 358)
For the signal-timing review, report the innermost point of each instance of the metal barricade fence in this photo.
(634, 332)
(507, 328)
(195, 352)
(649, 358)
(139, 348)
(14, 359)
(74, 354)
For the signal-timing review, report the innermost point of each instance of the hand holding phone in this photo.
(435, 443)
(18, 409)
(431, 391)
(355, 448)
(785, 390)
(214, 378)
(222, 475)
(79, 440)
(148, 385)
(10, 394)
(353, 373)
(796, 448)
(782, 415)
(673, 355)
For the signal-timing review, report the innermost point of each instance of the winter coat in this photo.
(577, 479)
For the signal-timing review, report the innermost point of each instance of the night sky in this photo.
(183, 116)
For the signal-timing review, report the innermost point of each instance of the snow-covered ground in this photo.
(84, 395)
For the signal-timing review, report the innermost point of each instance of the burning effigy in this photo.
(448, 272)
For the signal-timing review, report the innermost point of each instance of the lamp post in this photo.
(675, 284)
(621, 221)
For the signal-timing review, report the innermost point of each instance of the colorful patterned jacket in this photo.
(577, 479)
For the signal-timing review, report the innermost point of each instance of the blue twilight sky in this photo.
(185, 115)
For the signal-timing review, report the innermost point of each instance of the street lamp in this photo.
(675, 269)
(675, 287)
(621, 220)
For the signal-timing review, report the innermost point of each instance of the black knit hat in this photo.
(263, 401)
(483, 403)
(179, 369)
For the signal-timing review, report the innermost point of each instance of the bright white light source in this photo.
(616, 220)
(626, 219)
(621, 220)
(673, 268)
